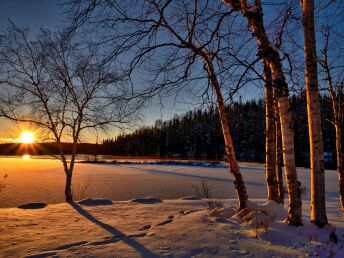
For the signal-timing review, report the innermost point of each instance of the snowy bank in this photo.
(174, 228)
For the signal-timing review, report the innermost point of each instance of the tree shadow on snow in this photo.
(142, 250)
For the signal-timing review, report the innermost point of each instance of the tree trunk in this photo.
(229, 148)
(68, 188)
(68, 172)
(293, 185)
(254, 16)
(270, 147)
(318, 205)
(338, 128)
(287, 133)
(340, 163)
(338, 118)
(279, 157)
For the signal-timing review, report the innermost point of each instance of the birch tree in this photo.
(278, 150)
(333, 76)
(270, 135)
(318, 206)
(61, 89)
(254, 16)
(178, 42)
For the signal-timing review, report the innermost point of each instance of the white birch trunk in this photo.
(270, 146)
(318, 205)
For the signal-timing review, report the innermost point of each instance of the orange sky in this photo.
(11, 132)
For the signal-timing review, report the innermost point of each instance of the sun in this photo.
(27, 137)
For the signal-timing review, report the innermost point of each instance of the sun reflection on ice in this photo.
(26, 157)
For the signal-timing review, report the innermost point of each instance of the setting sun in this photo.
(27, 137)
(26, 157)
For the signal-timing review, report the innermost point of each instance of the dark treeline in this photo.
(197, 134)
(48, 149)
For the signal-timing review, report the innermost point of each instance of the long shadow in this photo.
(210, 178)
(142, 250)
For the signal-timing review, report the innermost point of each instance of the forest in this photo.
(47, 148)
(197, 134)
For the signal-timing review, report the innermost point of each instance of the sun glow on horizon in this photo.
(27, 137)
(26, 157)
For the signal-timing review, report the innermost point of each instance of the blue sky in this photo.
(46, 13)
(31, 13)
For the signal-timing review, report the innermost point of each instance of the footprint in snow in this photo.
(165, 222)
(240, 251)
(137, 235)
(145, 227)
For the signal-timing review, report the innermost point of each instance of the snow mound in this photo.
(148, 200)
(257, 219)
(95, 202)
(222, 212)
(255, 213)
(33, 205)
(275, 210)
(270, 208)
(191, 198)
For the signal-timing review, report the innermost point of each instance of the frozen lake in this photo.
(42, 180)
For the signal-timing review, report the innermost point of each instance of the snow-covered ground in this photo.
(177, 228)
(173, 228)
(42, 180)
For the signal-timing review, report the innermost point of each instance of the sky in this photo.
(48, 14)
(34, 14)
(31, 13)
